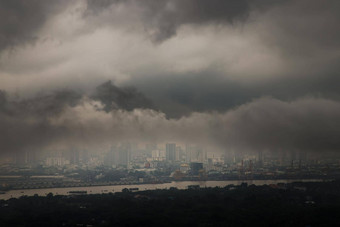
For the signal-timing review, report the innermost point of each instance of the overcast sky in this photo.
(238, 74)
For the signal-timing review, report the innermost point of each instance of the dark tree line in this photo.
(297, 204)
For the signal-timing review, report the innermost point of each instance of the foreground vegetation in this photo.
(297, 204)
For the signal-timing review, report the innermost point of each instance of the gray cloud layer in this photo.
(127, 98)
(25, 124)
(66, 118)
(179, 95)
(21, 20)
(162, 18)
(204, 74)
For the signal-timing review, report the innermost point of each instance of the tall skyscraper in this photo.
(189, 151)
(110, 157)
(119, 155)
(195, 168)
(124, 154)
(25, 157)
(74, 156)
(85, 157)
(229, 157)
(201, 154)
(179, 154)
(260, 158)
(170, 151)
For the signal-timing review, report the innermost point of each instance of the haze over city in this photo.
(231, 74)
(132, 92)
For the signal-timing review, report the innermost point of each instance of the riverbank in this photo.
(100, 189)
(291, 204)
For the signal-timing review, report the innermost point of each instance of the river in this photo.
(141, 187)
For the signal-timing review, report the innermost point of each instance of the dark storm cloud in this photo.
(26, 123)
(306, 124)
(178, 95)
(35, 122)
(162, 18)
(304, 32)
(208, 106)
(126, 98)
(21, 20)
(43, 105)
(304, 26)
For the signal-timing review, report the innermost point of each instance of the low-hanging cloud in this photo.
(25, 124)
(126, 98)
(306, 124)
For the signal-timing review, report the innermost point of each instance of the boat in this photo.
(78, 192)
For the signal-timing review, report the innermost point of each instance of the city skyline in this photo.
(169, 113)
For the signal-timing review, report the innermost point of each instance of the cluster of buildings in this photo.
(178, 161)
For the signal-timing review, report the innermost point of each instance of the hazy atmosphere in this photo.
(169, 113)
(238, 74)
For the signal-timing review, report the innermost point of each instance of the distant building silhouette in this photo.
(195, 168)
(170, 152)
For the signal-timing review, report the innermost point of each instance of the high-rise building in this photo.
(123, 156)
(201, 154)
(189, 151)
(260, 159)
(119, 156)
(158, 155)
(56, 161)
(179, 154)
(170, 151)
(85, 157)
(25, 157)
(229, 157)
(292, 157)
(195, 168)
(110, 157)
(195, 154)
(74, 156)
